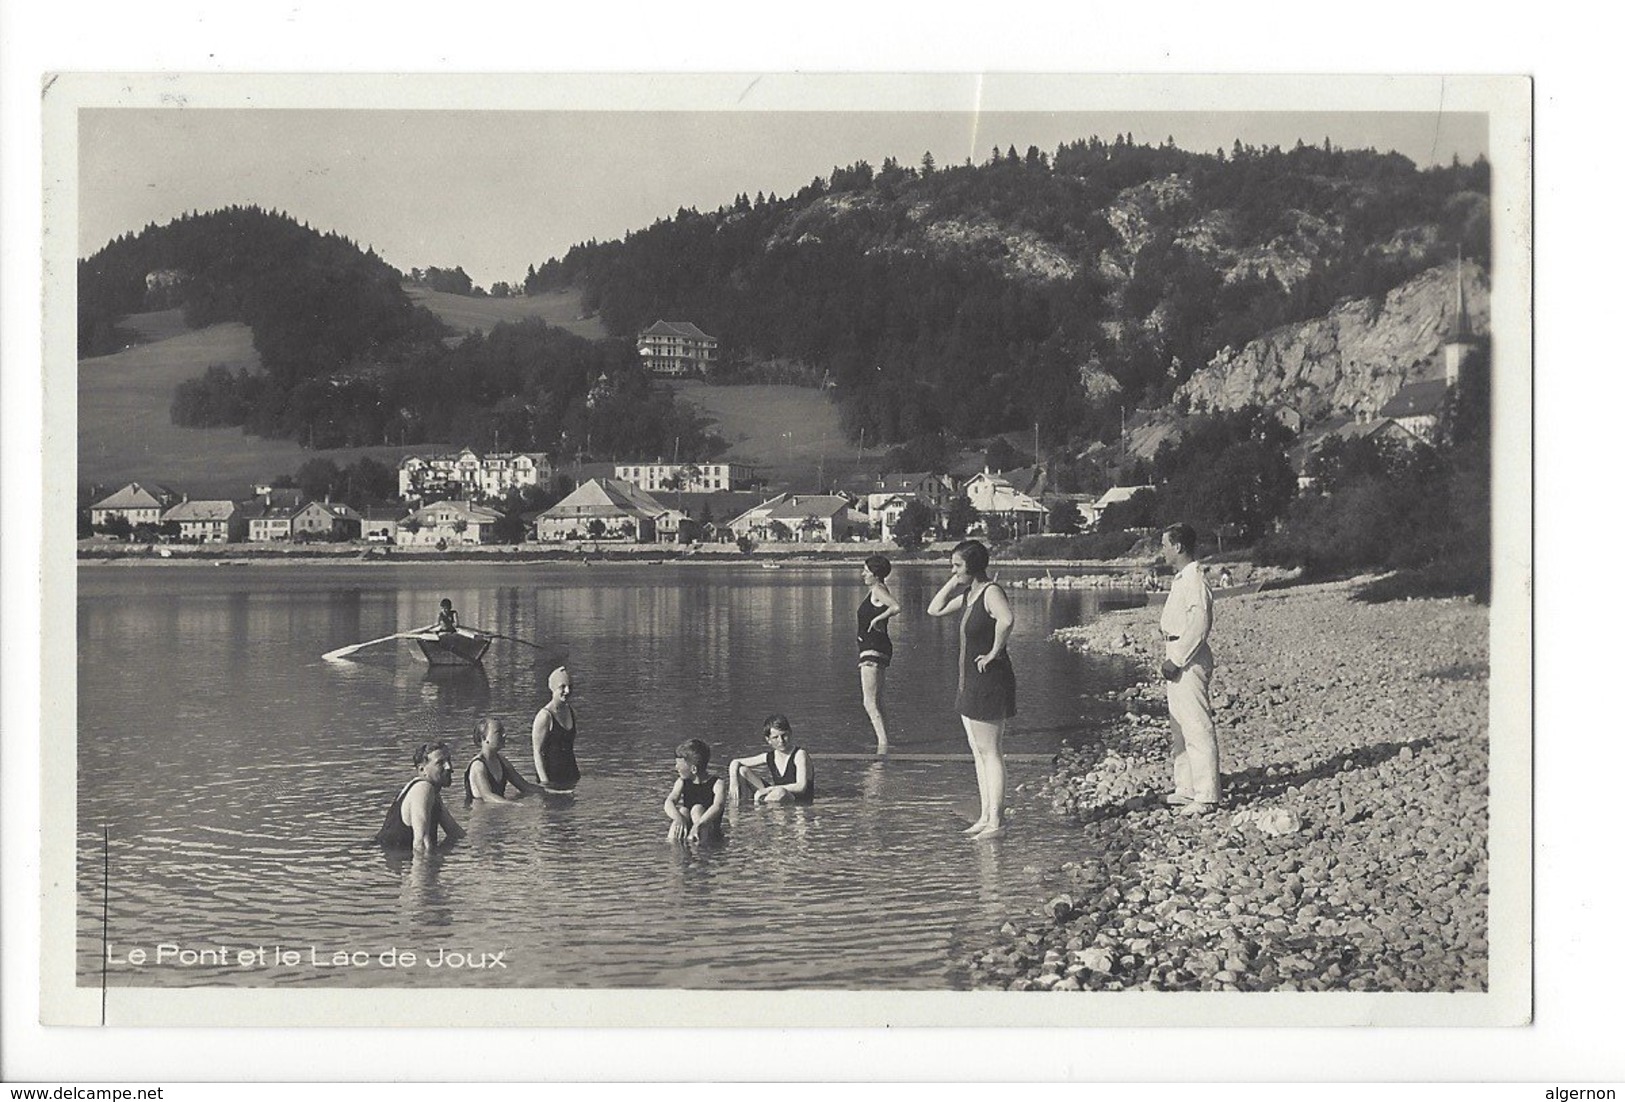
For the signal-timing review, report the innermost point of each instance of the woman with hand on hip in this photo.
(987, 681)
(874, 642)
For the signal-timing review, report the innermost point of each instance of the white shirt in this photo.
(1188, 616)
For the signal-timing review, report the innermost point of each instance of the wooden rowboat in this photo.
(453, 648)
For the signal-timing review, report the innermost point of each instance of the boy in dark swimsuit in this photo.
(782, 774)
(447, 623)
(417, 813)
(695, 802)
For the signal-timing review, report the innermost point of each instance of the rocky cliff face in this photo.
(1351, 360)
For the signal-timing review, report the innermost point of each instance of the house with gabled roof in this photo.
(935, 491)
(379, 522)
(468, 474)
(1090, 513)
(448, 523)
(674, 349)
(1360, 427)
(212, 521)
(601, 508)
(802, 518)
(134, 502)
(328, 520)
(992, 495)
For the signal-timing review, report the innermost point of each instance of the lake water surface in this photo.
(239, 778)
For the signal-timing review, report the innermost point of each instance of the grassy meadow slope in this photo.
(125, 433)
(785, 430)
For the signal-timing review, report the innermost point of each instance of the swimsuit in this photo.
(447, 622)
(874, 645)
(789, 776)
(698, 793)
(395, 834)
(499, 784)
(989, 695)
(559, 753)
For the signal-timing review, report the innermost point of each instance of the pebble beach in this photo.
(1351, 850)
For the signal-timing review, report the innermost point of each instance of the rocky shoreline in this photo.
(1351, 852)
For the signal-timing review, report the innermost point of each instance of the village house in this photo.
(673, 526)
(209, 521)
(710, 510)
(270, 513)
(448, 523)
(659, 475)
(1090, 514)
(935, 491)
(602, 508)
(135, 503)
(379, 522)
(468, 475)
(674, 349)
(1363, 426)
(992, 496)
(802, 518)
(326, 520)
(884, 512)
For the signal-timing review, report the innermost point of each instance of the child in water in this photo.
(695, 803)
(491, 775)
(446, 624)
(783, 773)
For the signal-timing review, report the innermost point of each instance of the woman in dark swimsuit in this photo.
(553, 736)
(987, 681)
(418, 813)
(874, 642)
(789, 772)
(491, 774)
(695, 803)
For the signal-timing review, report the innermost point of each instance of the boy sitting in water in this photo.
(694, 805)
(783, 773)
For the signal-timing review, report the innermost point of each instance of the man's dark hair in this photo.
(879, 566)
(421, 754)
(1182, 536)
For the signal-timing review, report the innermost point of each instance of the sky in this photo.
(494, 191)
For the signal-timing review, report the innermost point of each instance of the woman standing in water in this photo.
(874, 642)
(987, 681)
(553, 736)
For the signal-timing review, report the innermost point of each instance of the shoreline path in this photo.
(1351, 851)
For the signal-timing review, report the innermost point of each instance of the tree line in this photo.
(913, 287)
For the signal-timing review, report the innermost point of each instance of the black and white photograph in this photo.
(916, 550)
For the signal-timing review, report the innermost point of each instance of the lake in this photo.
(238, 779)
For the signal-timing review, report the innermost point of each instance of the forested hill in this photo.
(315, 301)
(1033, 288)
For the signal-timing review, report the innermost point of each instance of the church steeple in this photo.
(1459, 337)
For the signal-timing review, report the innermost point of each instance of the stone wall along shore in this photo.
(1351, 850)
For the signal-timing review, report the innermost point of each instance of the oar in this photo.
(556, 649)
(345, 652)
(525, 642)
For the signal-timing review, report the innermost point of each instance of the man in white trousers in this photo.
(1187, 619)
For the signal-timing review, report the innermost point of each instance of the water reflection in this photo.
(191, 678)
